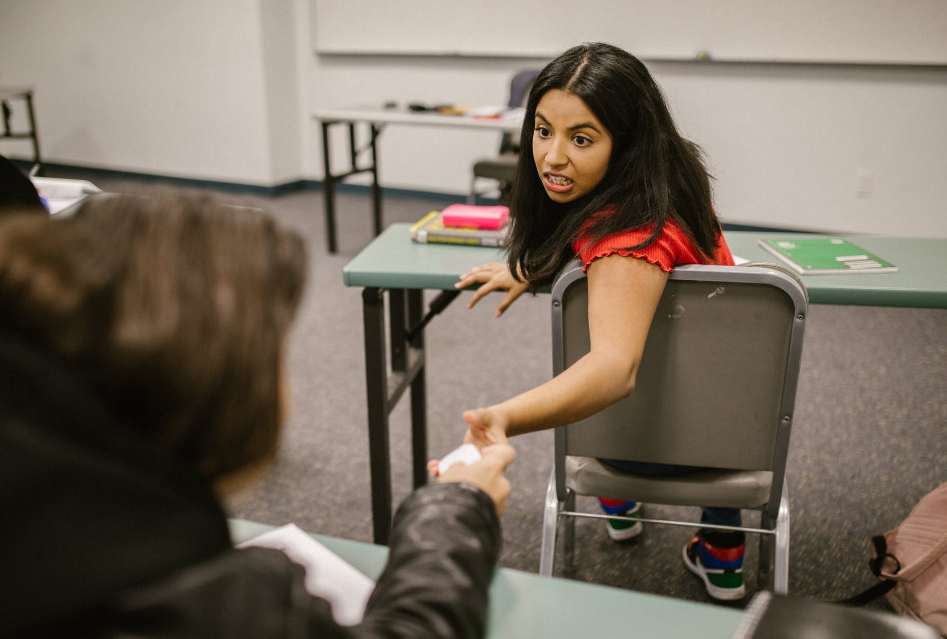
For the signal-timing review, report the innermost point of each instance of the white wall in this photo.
(283, 51)
(880, 31)
(223, 89)
(174, 88)
(835, 148)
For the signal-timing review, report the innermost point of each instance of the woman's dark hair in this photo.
(653, 172)
(173, 310)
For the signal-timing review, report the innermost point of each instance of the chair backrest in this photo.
(717, 381)
(519, 91)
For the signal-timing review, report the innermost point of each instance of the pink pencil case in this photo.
(479, 217)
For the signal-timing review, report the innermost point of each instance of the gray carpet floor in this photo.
(870, 433)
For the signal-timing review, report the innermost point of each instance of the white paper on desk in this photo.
(327, 575)
(737, 260)
(60, 193)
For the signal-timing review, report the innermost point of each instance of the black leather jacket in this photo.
(103, 539)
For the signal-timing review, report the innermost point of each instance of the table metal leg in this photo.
(405, 309)
(405, 330)
(376, 189)
(419, 453)
(29, 111)
(376, 382)
(328, 189)
(330, 179)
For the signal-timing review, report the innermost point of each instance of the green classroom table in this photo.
(527, 605)
(394, 264)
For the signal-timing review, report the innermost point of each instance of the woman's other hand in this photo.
(493, 276)
(486, 474)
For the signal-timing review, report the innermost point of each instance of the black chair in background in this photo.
(502, 168)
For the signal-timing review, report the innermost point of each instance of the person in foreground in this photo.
(142, 348)
(609, 180)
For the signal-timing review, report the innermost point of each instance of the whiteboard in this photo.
(808, 31)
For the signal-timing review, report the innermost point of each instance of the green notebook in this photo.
(826, 255)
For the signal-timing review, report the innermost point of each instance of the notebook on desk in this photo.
(327, 575)
(431, 229)
(826, 256)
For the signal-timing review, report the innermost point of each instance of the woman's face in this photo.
(571, 147)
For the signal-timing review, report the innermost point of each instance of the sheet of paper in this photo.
(61, 193)
(327, 575)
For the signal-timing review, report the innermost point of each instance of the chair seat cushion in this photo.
(710, 487)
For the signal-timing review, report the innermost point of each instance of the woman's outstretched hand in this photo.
(493, 276)
(487, 427)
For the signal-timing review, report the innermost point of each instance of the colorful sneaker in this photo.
(618, 529)
(717, 558)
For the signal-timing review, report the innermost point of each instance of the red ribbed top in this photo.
(670, 249)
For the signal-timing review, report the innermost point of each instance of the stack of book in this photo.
(463, 224)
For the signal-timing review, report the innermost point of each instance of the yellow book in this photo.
(431, 229)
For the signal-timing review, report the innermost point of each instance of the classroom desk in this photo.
(404, 269)
(15, 94)
(527, 605)
(376, 119)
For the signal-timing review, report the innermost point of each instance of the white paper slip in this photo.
(327, 575)
(60, 193)
(63, 188)
(466, 453)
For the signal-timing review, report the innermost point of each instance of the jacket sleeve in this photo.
(444, 545)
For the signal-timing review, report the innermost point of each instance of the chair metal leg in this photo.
(773, 572)
(781, 572)
(568, 539)
(472, 197)
(764, 571)
(550, 522)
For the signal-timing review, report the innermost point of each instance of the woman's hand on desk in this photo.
(493, 276)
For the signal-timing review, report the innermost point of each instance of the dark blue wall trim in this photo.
(50, 169)
(763, 229)
(91, 173)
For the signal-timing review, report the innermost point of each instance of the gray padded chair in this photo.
(502, 168)
(716, 389)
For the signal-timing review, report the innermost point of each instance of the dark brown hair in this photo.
(173, 309)
(653, 173)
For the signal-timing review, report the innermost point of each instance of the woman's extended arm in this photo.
(623, 295)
